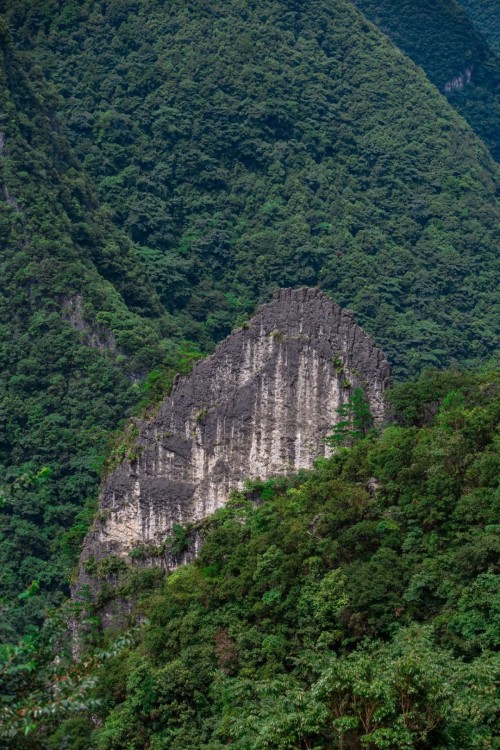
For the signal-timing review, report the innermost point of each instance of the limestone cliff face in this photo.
(258, 407)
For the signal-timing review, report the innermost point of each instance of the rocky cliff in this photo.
(259, 406)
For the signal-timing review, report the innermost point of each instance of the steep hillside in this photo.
(441, 38)
(249, 145)
(486, 16)
(182, 162)
(75, 333)
(353, 606)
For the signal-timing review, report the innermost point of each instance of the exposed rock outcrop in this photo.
(458, 82)
(259, 406)
(96, 336)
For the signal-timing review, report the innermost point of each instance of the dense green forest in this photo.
(165, 165)
(352, 606)
(486, 16)
(244, 146)
(442, 39)
(63, 387)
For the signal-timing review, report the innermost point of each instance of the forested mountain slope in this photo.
(216, 151)
(249, 145)
(441, 38)
(164, 166)
(76, 313)
(486, 16)
(353, 606)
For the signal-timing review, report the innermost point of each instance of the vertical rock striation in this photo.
(259, 406)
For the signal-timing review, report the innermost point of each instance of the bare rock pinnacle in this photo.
(260, 406)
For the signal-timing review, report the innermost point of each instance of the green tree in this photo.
(355, 421)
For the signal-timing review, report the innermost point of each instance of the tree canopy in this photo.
(355, 605)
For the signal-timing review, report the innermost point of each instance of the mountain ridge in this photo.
(441, 38)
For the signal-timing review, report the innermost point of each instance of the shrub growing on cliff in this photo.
(355, 420)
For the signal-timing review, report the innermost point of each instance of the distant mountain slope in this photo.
(74, 308)
(441, 38)
(249, 146)
(486, 16)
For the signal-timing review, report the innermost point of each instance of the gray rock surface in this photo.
(260, 406)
